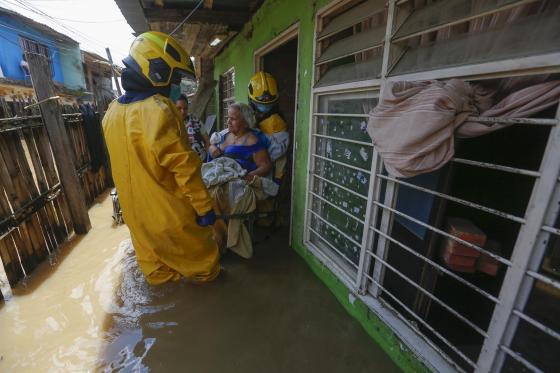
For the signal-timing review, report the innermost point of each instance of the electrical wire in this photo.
(47, 43)
(83, 21)
(30, 7)
(187, 17)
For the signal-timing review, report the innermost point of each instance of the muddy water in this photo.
(55, 319)
(93, 311)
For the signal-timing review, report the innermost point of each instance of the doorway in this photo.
(280, 59)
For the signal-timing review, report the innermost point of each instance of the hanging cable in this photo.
(187, 17)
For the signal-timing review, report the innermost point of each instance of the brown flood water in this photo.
(91, 310)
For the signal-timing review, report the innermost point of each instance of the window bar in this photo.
(430, 295)
(438, 266)
(374, 192)
(552, 230)
(343, 139)
(386, 225)
(341, 115)
(458, 200)
(335, 228)
(516, 356)
(492, 166)
(340, 186)
(545, 329)
(336, 207)
(333, 248)
(529, 249)
(463, 242)
(311, 164)
(546, 280)
(340, 163)
(501, 120)
(421, 321)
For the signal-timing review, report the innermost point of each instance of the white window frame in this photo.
(226, 100)
(537, 223)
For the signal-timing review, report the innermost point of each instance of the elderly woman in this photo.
(241, 144)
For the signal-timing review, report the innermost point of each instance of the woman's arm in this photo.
(263, 163)
(215, 151)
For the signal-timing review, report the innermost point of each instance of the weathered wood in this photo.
(52, 118)
(22, 191)
(110, 58)
(52, 218)
(45, 153)
(28, 257)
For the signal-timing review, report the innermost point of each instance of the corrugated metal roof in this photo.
(134, 15)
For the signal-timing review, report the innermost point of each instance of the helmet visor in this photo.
(180, 74)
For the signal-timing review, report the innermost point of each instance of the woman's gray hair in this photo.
(246, 112)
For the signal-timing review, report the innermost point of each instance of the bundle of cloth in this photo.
(234, 196)
(415, 123)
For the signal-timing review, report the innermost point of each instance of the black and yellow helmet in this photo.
(159, 58)
(263, 89)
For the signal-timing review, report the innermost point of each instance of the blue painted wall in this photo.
(65, 56)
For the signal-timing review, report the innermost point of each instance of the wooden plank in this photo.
(52, 118)
(44, 149)
(23, 191)
(28, 257)
(57, 225)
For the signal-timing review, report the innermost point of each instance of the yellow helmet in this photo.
(159, 58)
(263, 88)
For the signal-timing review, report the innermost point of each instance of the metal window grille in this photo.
(227, 93)
(364, 225)
(31, 46)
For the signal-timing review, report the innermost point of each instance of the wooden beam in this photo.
(60, 143)
(208, 4)
(200, 16)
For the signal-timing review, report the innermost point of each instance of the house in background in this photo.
(98, 74)
(19, 34)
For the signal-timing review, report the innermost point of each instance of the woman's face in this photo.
(236, 123)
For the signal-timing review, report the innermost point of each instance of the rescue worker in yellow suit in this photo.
(263, 98)
(157, 175)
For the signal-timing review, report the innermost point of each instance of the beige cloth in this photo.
(236, 197)
(415, 123)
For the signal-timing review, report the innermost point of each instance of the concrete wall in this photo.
(271, 19)
(64, 56)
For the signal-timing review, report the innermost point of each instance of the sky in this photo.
(95, 24)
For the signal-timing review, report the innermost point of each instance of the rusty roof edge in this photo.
(134, 14)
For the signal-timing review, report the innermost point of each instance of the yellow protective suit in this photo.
(271, 125)
(161, 192)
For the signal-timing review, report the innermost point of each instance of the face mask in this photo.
(264, 108)
(174, 92)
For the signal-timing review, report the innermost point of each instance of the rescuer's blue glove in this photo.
(206, 220)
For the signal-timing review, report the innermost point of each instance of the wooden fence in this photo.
(34, 216)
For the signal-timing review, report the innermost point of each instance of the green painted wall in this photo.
(274, 17)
